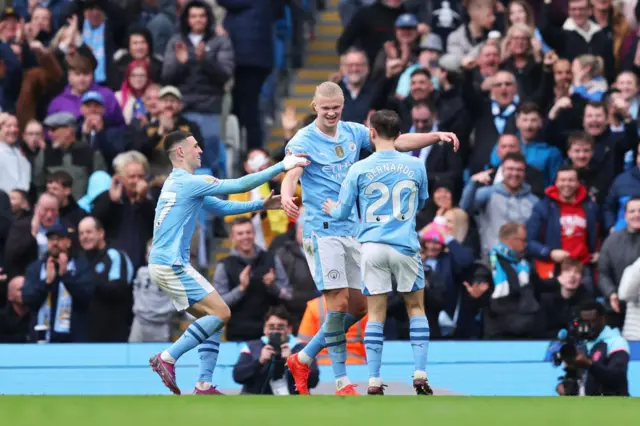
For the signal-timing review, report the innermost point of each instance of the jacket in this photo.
(15, 169)
(610, 354)
(311, 323)
(128, 226)
(251, 48)
(79, 160)
(68, 102)
(624, 187)
(460, 44)
(619, 250)
(540, 155)
(495, 207)
(80, 287)
(544, 231)
(201, 83)
(629, 291)
(110, 308)
(254, 377)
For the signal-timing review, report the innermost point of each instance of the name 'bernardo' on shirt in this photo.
(398, 168)
(337, 171)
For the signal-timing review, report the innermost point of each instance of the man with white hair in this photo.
(126, 210)
(330, 246)
(15, 169)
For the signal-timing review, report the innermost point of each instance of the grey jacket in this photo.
(200, 82)
(618, 251)
(495, 206)
(458, 44)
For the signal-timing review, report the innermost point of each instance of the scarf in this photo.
(127, 89)
(94, 38)
(500, 116)
(505, 280)
(62, 322)
(593, 90)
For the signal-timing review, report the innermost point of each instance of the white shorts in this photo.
(183, 284)
(380, 261)
(334, 262)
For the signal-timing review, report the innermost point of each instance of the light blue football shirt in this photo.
(390, 187)
(330, 159)
(182, 196)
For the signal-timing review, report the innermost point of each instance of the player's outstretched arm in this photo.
(219, 207)
(207, 185)
(413, 141)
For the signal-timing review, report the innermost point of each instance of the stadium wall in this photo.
(469, 368)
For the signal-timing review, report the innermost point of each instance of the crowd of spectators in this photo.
(538, 211)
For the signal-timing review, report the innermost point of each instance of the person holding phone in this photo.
(260, 369)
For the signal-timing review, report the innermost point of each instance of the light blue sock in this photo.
(419, 336)
(373, 341)
(336, 342)
(195, 334)
(317, 343)
(208, 352)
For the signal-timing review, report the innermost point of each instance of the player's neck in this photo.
(183, 167)
(329, 131)
(384, 145)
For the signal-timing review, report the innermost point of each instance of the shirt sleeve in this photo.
(348, 195)
(219, 207)
(203, 185)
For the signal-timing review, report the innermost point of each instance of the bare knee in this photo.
(357, 303)
(224, 313)
(414, 303)
(337, 300)
(211, 305)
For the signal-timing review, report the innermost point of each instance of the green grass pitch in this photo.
(315, 411)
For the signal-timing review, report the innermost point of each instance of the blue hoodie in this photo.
(624, 187)
(539, 155)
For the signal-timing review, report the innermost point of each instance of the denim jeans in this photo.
(209, 125)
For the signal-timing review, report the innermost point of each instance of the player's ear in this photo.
(313, 107)
(372, 133)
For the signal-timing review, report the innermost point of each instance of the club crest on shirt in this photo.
(339, 151)
(352, 146)
(210, 179)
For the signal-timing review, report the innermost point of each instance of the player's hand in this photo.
(269, 278)
(483, 177)
(296, 160)
(273, 202)
(63, 260)
(245, 275)
(51, 270)
(558, 255)
(614, 302)
(329, 205)
(477, 289)
(290, 207)
(451, 138)
(115, 191)
(285, 350)
(266, 354)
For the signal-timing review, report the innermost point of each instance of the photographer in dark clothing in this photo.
(607, 358)
(261, 367)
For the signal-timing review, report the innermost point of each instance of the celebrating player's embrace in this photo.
(332, 251)
(390, 186)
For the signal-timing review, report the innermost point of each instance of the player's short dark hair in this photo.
(386, 123)
(529, 108)
(241, 221)
(61, 177)
(580, 137)
(278, 311)
(592, 305)
(515, 156)
(175, 138)
(626, 205)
